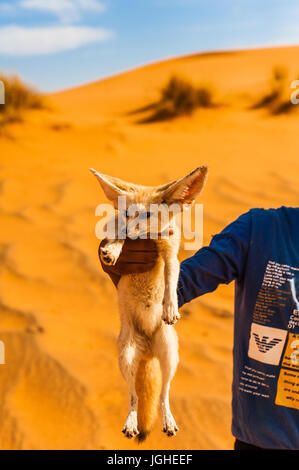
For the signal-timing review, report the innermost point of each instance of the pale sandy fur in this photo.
(148, 303)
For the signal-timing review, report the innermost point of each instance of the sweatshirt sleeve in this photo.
(219, 263)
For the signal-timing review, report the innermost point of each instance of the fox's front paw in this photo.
(107, 256)
(170, 312)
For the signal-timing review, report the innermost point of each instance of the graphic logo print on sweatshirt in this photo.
(277, 305)
(266, 343)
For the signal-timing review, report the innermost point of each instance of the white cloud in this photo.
(19, 41)
(67, 11)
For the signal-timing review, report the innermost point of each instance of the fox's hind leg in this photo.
(129, 358)
(165, 347)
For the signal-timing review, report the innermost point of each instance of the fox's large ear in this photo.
(112, 187)
(185, 190)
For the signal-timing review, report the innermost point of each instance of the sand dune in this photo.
(61, 387)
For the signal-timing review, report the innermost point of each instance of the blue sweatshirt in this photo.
(260, 252)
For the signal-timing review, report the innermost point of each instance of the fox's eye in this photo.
(145, 215)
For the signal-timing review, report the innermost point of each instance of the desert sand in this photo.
(61, 387)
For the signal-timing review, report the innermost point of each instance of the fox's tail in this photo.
(148, 387)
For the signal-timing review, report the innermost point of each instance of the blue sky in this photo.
(56, 44)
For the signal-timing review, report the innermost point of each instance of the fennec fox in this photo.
(148, 303)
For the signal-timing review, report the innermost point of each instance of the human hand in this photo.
(137, 256)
